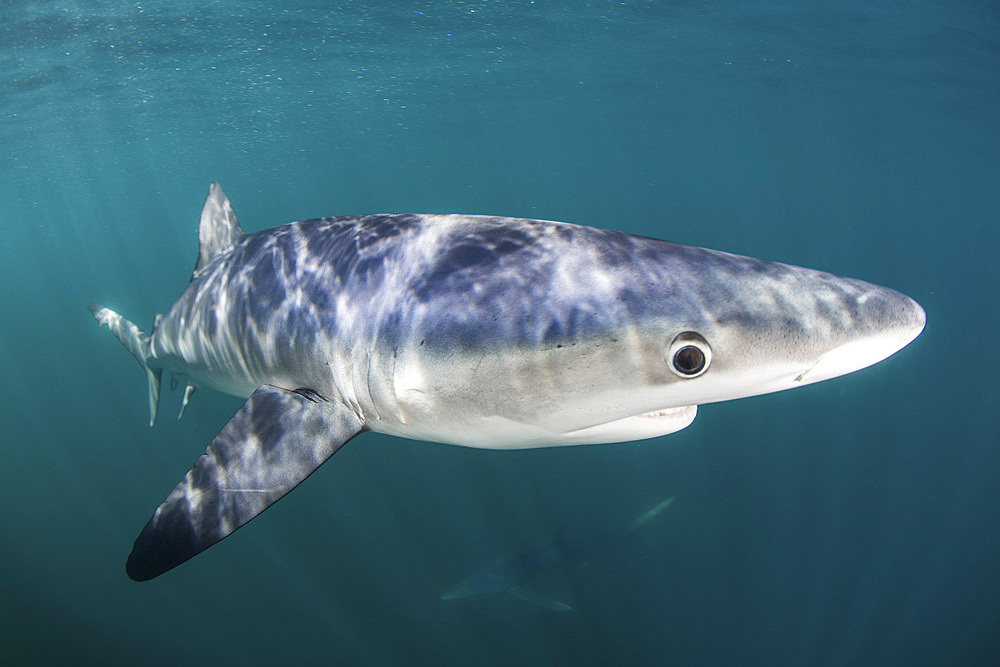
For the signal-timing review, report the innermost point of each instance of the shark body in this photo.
(513, 575)
(470, 330)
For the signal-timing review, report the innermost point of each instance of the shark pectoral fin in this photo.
(529, 594)
(274, 442)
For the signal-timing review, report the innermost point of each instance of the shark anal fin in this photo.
(529, 594)
(270, 445)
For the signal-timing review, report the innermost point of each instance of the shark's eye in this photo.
(689, 355)
(689, 360)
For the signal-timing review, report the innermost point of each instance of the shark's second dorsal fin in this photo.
(218, 230)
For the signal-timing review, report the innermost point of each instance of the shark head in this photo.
(777, 329)
(771, 327)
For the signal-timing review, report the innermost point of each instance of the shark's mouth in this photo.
(665, 412)
(637, 427)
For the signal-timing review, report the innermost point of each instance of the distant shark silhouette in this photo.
(512, 575)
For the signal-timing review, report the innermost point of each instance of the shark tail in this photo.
(138, 343)
(649, 514)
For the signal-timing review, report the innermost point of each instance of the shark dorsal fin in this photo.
(218, 230)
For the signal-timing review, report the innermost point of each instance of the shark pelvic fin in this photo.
(276, 440)
(188, 393)
(137, 342)
(529, 594)
(218, 230)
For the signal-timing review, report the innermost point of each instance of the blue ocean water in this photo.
(851, 522)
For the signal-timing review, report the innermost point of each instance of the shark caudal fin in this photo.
(137, 342)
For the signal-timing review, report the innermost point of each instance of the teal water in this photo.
(852, 522)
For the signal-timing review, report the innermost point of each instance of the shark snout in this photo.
(889, 321)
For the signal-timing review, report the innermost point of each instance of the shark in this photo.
(512, 575)
(471, 330)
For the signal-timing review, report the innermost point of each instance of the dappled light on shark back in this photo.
(470, 330)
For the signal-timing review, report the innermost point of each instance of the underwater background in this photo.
(852, 522)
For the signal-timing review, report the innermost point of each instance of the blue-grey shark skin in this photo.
(479, 331)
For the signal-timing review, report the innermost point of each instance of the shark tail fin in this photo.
(649, 514)
(137, 342)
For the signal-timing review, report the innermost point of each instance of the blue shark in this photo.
(470, 330)
(512, 575)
